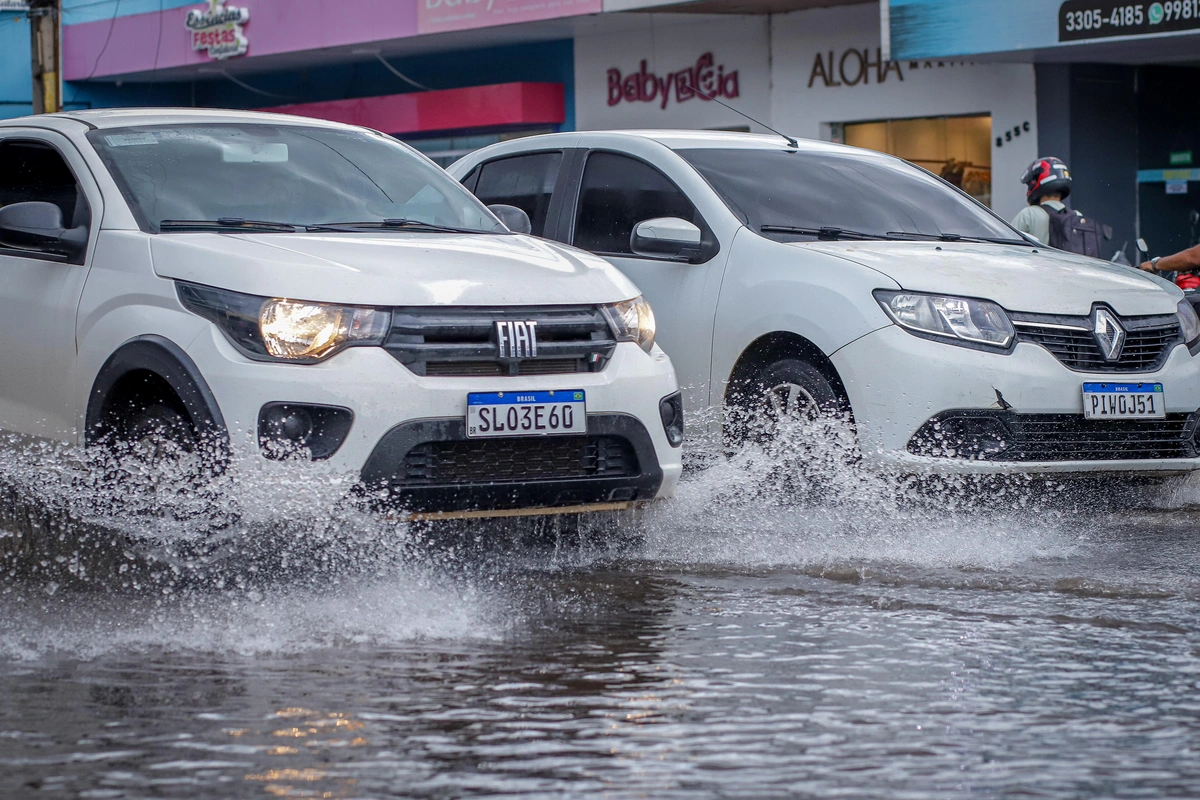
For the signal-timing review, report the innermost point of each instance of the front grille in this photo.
(1005, 436)
(1148, 341)
(517, 460)
(461, 342)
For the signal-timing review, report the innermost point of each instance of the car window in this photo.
(35, 171)
(292, 174)
(855, 191)
(522, 181)
(617, 193)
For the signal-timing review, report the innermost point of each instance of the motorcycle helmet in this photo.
(1046, 176)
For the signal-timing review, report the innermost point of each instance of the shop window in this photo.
(957, 148)
(522, 181)
(617, 193)
(35, 171)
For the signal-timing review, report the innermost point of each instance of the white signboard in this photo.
(662, 74)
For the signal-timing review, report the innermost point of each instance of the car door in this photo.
(526, 181)
(617, 191)
(40, 289)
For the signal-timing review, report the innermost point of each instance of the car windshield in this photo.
(244, 175)
(789, 195)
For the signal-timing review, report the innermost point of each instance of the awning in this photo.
(502, 105)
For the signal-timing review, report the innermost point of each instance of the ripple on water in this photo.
(882, 638)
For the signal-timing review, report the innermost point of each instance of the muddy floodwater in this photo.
(851, 646)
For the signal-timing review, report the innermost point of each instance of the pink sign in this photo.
(435, 16)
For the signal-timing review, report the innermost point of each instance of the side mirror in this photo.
(513, 218)
(39, 226)
(666, 236)
(1141, 245)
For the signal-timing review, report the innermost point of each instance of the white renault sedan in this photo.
(793, 278)
(267, 287)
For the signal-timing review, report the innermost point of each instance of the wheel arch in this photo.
(155, 361)
(777, 345)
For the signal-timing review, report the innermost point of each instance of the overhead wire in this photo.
(400, 74)
(250, 88)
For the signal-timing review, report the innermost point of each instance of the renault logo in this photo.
(516, 338)
(1109, 333)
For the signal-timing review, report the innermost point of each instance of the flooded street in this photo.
(745, 648)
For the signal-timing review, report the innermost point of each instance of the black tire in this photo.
(785, 390)
(159, 432)
(160, 466)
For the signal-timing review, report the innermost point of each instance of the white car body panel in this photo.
(393, 268)
(822, 291)
(1039, 281)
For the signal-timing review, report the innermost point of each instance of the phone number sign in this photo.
(1099, 19)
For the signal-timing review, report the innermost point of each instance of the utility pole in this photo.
(45, 55)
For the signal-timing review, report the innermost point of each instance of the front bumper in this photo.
(898, 382)
(389, 403)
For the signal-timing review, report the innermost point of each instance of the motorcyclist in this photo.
(1047, 183)
(1183, 261)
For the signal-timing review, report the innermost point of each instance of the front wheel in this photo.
(160, 464)
(785, 399)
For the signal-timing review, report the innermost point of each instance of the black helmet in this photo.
(1046, 176)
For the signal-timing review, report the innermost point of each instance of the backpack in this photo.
(1075, 233)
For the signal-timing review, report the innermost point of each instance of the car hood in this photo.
(401, 268)
(1035, 280)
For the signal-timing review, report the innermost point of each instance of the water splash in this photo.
(804, 497)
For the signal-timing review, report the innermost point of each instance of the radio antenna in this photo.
(791, 142)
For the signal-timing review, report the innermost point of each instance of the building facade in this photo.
(1116, 83)
(973, 90)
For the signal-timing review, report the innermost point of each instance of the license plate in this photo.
(1123, 401)
(526, 413)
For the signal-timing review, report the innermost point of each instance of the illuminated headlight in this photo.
(1189, 322)
(978, 322)
(632, 321)
(275, 329)
(295, 330)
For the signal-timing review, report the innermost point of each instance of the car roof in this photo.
(675, 140)
(130, 117)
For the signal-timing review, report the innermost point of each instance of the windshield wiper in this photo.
(386, 224)
(953, 237)
(823, 232)
(227, 224)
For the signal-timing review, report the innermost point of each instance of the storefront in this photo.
(1116, 86)
(817, 74)
(424, 70)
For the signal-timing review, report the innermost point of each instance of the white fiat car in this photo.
(793, 277)
(271, 287)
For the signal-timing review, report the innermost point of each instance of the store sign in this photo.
(852, 67)
(647, 87)
(217, 28)
(1100, 19)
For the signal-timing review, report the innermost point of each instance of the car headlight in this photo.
(978, 322)
(276, 329)
(294, 330)
(1189, 321)
(632, 321)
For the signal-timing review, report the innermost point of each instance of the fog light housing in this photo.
(304, 430)
(670, 408)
